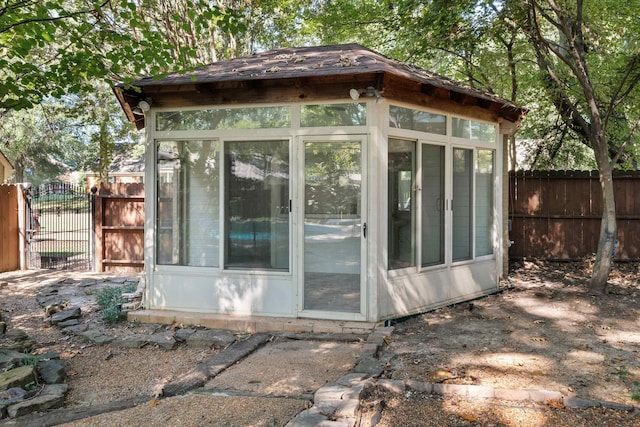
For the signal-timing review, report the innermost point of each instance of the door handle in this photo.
(364, 230)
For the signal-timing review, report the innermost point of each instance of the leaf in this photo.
(555, 403)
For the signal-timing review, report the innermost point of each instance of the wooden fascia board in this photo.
(315, 88)
(124, 98)
(258, 91)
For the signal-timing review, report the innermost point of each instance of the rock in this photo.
(96, 337)
(70, 322)
(49, 355)
(86, 282)
(53, 308)
(18, 377)
(163, 340)
(77, 329)
(16, 335)
(132, 341)
(368, 364)
(51, 397)
(12, 395)
(23, 346)
(4, 284)
(50, 300)
(52, 371)
(183, 334)
(208, 338)
(10, 358)
(65, 315)
(3, 328)
(130, 296)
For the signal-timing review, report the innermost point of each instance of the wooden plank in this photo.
(98, 219)
(122, 262)
(570, 232)
(9, 232)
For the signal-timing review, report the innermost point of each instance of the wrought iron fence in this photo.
(59, 226)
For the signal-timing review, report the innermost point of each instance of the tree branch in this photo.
(52, 18)
(619, 95)
(563, 103)
(635, 127)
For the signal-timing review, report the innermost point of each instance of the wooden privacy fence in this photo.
(556, 215)
(9, 228)
(119, 227)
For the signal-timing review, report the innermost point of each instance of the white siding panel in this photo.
(420, 292)
(245, 294)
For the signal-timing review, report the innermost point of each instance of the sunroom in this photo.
(322, 182)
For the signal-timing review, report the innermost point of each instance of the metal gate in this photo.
(59, 226)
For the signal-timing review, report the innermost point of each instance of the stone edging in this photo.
(484, 392)
(339, 402)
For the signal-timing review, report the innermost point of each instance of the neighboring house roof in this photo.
(304, 63)
(123, 163)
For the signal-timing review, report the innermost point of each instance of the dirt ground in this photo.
(542, 331)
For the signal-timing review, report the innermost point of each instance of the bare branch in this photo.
(619, 95)
(635, 127)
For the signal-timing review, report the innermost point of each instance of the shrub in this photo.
(110, 301)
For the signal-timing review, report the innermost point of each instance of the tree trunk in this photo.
(608, 228)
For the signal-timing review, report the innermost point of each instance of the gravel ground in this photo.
(200, 410)
(419, 409)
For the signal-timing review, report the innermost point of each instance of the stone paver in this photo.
(52, 396)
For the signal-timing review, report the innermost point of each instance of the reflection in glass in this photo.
(224, 118)
(423, 121)
(462, 196)
(332, 226)
(352, 114)
(188, 203)
(401, 228)
(484, 202)
(257, 204)
(475, 131)
(432, 205)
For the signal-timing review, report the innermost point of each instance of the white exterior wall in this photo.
(385, 295)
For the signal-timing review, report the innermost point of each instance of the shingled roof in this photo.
(338, 61)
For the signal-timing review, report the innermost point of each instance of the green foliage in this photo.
(58, 47)
(30, 360)
(110, 301)
(129, 288)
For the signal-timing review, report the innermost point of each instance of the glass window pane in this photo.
(423, 121)
(257, 204)
(432, 205)
(352, 114)
(401, 229)
(332, 226)
(484, 202)
(188, 203)
(462, 185)
(470, 129)
(225, 118)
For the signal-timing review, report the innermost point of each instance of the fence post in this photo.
(23, 224)
(96, 208)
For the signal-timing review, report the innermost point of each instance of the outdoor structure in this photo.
(321, 182)
(6, 169)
